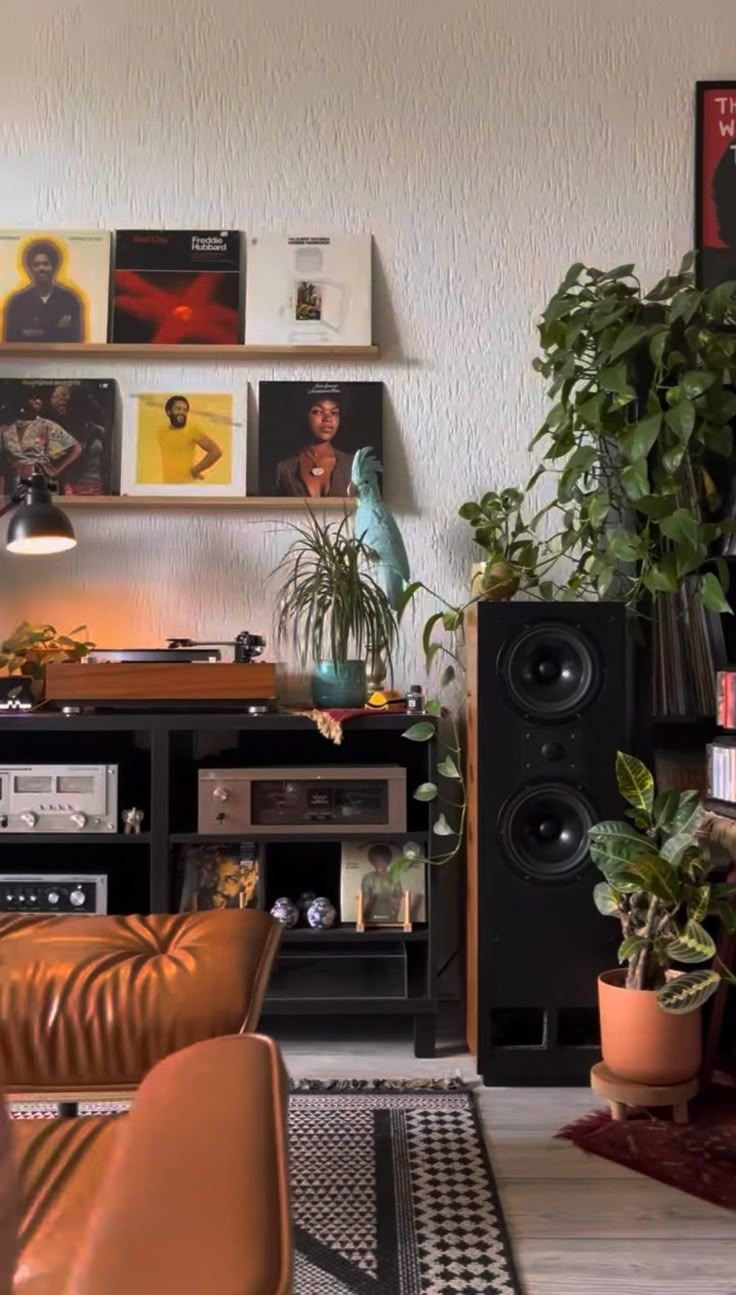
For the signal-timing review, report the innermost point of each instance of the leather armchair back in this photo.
(95, 1002)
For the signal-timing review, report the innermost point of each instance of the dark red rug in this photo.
(699, 1158)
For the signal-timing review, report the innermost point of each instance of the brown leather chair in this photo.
(187, 1193)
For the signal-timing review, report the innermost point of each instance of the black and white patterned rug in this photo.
(392, 1190)
(393, 1194)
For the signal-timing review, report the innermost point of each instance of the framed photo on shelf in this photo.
(367, 891)
(308, 433)
(218, 876)
(54, 285)
(185, 443)
(715, 182)
(67, 426)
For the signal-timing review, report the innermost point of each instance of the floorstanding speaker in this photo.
(549, 707)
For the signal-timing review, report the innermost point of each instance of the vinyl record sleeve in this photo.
(67, 425)
(298, 422)
(364, 866)
(177, 287)
(54, 285)
(308, 290)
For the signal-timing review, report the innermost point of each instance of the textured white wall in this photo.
(485, 143)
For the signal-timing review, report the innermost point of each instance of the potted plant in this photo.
(657, 882)
(30, 648)
(332, 611)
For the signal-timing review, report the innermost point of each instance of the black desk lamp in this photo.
(38, 527)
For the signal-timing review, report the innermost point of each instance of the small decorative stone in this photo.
(286, 912)
(306, 898)
(321, 914)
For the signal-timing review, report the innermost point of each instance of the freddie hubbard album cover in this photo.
(64, 425)
(308, 433)
(312, 290)
(177, 286)
(54, 285)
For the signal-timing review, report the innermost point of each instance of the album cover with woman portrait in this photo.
(308, 433)
(54, 285)
(186, 443)
(64, 425)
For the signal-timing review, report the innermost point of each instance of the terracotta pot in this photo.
(642, 1043)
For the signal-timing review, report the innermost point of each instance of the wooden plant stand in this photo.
(623, 1093)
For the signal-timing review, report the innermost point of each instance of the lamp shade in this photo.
(38, 526)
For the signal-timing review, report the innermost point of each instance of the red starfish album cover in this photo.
(177, 287)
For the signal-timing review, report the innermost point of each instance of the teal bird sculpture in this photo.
(377, 529)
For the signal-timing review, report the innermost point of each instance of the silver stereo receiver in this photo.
(58, 798)
(53, 893)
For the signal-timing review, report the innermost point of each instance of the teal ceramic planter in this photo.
(339, 686)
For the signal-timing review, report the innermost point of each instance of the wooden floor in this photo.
(580, 1225)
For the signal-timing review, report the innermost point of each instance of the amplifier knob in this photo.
(33, 899)
(53, 897)
(77, 898)
(30, 819)
(221, 793)
(79, 819)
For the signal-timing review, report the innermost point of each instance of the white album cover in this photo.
(313, 290)
(54, 285)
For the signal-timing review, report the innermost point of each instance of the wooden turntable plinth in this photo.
(161, 681)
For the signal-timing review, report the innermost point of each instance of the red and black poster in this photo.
(715, 182)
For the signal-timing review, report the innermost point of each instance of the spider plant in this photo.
(329, 608)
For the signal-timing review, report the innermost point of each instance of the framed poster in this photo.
(308, 433)
(715, 182)
(185, 443)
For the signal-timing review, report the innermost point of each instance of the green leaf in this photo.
(657, 878)
(694, 944)
(658, 345)
(615, 379)
(620, 272)
(590, 412)
(662, 576)
(421, 732)
(685, 993)
(448, 769)
(635, 479)
(628, 338)
(680, 526)
(684, 305)
(451, 620)
(629, 947)
(427, 631)
(441, 827)
(714, 599)
(697, 899)
(571, 278)
(678, 847)
(448, 674)
(426, 791)
(635, 782)
(690, 812)
(637, 440)
(604, 897)
(666, 805)
(406, 596)
(433, 707)
(681, 420)
(695, 382)
(626, 546)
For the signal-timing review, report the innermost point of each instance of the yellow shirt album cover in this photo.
(54, 285)
(184, 443)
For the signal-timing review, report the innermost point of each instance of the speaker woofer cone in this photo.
(544, 831)
(551, 671)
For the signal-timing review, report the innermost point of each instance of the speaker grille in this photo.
(551, 671)
(544, 830)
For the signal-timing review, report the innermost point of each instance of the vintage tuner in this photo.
(58, 798)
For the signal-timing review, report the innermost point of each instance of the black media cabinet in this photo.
(340, 972)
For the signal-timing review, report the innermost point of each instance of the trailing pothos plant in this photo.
(658, 884)
(30, 648)
(447, 792)
(643, 397)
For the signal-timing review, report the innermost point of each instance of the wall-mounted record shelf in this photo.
(174, 503)
(153, 352)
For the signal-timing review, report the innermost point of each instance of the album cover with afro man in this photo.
(54, 285)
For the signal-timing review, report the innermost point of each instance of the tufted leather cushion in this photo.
(186, 1195)
(95, 1002)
